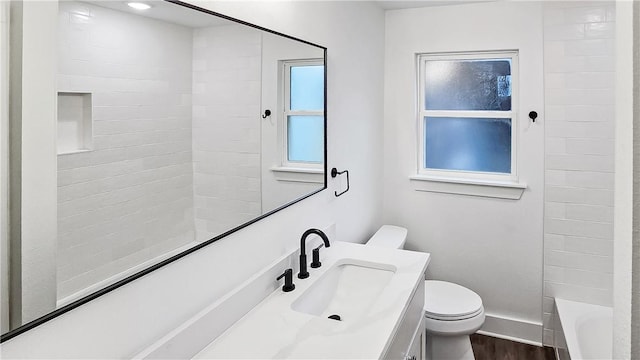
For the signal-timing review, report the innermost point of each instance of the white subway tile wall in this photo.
(579, 161)
(176, 139)
(130, 199)
(227, 64)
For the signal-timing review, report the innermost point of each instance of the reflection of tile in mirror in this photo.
(74, 122)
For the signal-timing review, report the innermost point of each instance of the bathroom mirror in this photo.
(176, 126)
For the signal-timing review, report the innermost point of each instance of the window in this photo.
(303, 120)
(467, 115)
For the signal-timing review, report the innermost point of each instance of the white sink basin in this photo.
(347, 289)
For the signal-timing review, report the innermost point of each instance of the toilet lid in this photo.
(449, 301)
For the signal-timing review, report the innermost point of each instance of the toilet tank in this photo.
(389, 236)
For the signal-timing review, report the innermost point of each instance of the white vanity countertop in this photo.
(274, 330)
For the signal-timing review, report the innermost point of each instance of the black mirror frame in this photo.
(43, 319)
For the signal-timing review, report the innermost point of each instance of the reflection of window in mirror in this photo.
(303, 120)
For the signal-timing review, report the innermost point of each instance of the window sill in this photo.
(483, 188)
(304, 175)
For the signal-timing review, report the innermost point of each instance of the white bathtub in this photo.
(583, 331)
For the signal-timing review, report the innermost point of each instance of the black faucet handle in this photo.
(315, 263)
(288, 280)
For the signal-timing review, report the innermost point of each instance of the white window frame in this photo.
(476, 177)
(286, 112)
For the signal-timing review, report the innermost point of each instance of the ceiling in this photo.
(165, 11)
(408, 4)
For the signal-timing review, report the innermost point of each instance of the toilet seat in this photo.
(450, 302)
(452, 318)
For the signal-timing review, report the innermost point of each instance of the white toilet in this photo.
(452, 312)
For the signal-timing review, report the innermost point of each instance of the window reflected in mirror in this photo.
(304, 111)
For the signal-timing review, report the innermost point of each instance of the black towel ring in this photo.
(334, 173)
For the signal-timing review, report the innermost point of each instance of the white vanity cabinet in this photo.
(409, 340)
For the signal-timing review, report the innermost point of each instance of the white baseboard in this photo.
(519, 330)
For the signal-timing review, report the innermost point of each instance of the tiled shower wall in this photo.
(226, 127)
(130, 198)
(579, 79)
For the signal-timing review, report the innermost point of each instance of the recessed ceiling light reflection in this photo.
(139, 6)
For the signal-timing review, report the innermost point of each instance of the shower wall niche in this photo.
(75, 122)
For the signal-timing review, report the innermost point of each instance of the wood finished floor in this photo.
(490, 348)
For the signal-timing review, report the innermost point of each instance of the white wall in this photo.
(33, 161)
(635, 287)
(4, 166)
(635, 295)
(579, 63)
(130, 198)
(121, 323)
(492, 246)
(625, 229)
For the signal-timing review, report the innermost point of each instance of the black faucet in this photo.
(303, 274)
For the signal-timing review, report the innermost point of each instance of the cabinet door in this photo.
(416, 349)
(412, 323)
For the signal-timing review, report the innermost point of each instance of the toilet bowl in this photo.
(452, 312)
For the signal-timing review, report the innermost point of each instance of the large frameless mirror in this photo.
(175, 127)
